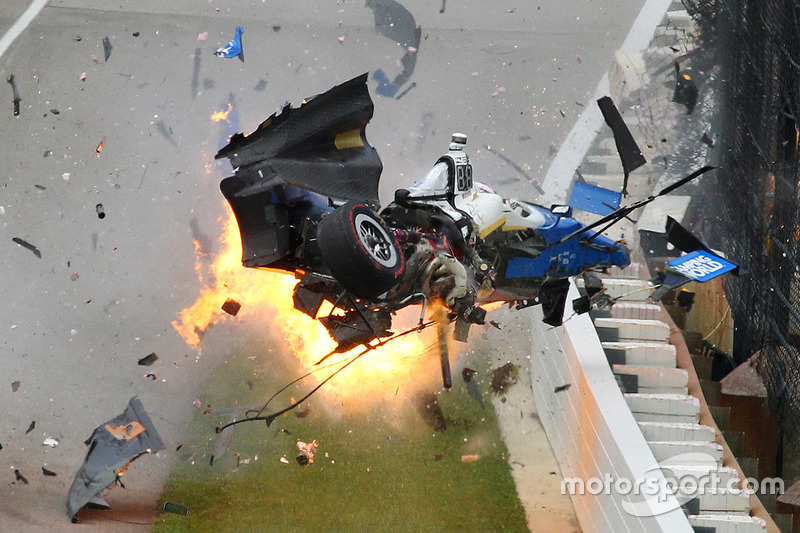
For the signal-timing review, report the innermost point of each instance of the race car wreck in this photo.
(305, 197)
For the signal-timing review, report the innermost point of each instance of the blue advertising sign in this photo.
(701, 265)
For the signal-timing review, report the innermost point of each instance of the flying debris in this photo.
(629, 152)
(20, 477)
(231, 306)
(148, 360)
(233, 48)
(107, 47)
(468, 375)
(28, 246)
(307, 452)
(686, 91)
(15, 93)
(594, 199)
(112, 447)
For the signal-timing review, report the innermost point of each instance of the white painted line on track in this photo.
(557, 181)
(19, 26)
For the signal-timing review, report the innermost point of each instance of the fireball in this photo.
(266, 302)
(219, 116)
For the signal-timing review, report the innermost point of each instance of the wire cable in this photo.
(368, 348)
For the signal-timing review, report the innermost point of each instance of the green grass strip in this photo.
(380, 470)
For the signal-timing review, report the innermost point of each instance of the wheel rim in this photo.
(375, 240)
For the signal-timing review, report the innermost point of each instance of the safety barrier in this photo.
(594, 434)
(627, 432)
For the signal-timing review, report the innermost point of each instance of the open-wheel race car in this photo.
(305, 196)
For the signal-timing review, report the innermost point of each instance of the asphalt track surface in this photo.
(101, 293)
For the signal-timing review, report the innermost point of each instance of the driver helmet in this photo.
(457, 142)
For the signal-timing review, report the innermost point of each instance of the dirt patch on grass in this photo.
(503, 378)
(429, 409)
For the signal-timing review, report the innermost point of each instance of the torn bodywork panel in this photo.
(112, 447)
(320, 146)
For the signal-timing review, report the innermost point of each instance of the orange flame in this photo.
(385, 370)
(219, 116)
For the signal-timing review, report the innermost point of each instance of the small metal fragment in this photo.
(176, 508)
(15, 93)
(25, 244)
(231, 306)
(148, 360)
(107, 48)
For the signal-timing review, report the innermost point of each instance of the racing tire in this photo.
(361, 253)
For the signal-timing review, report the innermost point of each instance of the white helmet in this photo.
(457, 142)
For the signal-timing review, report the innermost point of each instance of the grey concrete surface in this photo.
(9, 13)
(513, 76)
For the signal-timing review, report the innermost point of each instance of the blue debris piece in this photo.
(594, 199)
(234, 46)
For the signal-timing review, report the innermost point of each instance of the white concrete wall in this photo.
(592, 430)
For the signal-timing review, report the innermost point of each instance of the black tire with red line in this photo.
(361, 253)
